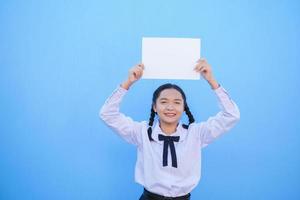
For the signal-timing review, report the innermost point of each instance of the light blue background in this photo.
(60, 60)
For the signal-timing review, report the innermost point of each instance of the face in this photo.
(169, 106)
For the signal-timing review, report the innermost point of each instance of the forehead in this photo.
(170, 94)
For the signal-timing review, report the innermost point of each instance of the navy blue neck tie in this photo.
(169, 141)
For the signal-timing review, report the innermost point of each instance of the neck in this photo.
(168, 129)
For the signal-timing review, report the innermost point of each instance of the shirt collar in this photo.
(180, 131)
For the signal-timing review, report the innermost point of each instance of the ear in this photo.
(154, 107)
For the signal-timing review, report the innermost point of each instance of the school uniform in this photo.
(169, 166)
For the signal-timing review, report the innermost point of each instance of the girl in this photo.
(168, 152)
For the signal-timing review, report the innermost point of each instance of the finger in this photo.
(141, 65)
(198, 67)
(138, 73)
(134, 71)
(138, 68)
(203, 64)
(201, 60)
(205, 69)
(134, 75)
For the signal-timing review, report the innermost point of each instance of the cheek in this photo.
(180, 109)
(180, 112)
(158, 108)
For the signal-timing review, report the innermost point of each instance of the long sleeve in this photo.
(223, 121)
(128, 129)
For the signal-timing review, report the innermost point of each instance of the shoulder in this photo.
(195, 128)
(195, 125)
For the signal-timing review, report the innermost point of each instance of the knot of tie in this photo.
(169, 141)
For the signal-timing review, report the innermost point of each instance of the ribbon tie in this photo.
(169, 141)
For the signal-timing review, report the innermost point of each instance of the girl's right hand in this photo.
(134, 74)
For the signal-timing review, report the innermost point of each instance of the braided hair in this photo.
(154, 98)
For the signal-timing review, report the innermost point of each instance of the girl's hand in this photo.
(204, 69)
(206, 72)
(134, 74)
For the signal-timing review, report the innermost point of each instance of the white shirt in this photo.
(149, 171)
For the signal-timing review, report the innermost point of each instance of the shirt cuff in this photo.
(121, 89)
(221, 92)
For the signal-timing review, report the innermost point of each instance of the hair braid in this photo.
(151, 120)
(190, 116)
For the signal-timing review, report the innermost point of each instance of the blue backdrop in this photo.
(60, 60)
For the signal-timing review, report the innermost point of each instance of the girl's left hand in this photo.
(204, 69)
(206, 72)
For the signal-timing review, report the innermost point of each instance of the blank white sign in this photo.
(170, 58)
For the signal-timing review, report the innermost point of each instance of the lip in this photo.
(170, 114)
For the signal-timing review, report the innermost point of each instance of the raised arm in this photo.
(226, 118)
(135, 73)
(110, 111)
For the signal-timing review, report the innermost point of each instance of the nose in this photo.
(169, 107)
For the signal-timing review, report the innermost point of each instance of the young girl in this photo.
(168, 152)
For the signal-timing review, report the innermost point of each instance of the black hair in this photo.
(154, 98)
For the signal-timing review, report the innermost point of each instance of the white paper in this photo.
(170, 58)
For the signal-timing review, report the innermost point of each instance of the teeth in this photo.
(170, 114)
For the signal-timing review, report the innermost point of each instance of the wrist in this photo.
(213, 84)
(126, 84)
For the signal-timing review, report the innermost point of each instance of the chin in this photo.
(170, 121)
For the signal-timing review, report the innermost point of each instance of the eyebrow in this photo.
(168, 99)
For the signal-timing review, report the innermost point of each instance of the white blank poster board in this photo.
(170, 58)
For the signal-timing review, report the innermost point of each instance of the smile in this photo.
(170, 114)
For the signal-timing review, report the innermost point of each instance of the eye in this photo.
(178, 102)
